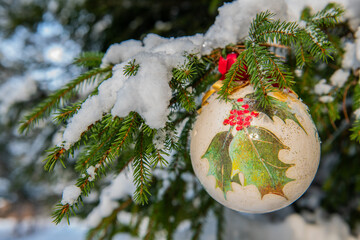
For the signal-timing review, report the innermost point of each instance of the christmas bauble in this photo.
(254, 159)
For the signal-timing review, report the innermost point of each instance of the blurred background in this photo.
(39, 40)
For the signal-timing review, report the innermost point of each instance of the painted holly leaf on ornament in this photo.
(279, 108)
(219, 160)
(254, 152)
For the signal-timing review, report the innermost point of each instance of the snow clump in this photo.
(322, 87)
(339, 77)
(70, 195)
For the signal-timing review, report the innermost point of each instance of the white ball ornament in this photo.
(251, 159)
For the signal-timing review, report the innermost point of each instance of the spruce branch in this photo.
(316, 43)
(89, 59)
(56, 154)
(182, 81)
(328, 17)
(267, 71)
(258, 69)
(355, 135)
(356, 97)
(102, 144)
(186, 99)
(66, 113)
(260, 19)
(141, 164)
(301, 55)
(276, 31)
(67, 210)
(58, 98)
(236, 70)
(131, 68)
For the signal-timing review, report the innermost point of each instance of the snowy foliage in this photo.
(70, 195)
(149, 94)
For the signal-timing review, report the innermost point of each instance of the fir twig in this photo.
(142, 175)
(329, 16)
(131, 68)
(89, 59)
(234, 72)
(66, 113)
(56, 154)
(44, 109)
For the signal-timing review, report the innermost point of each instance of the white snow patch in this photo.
(326, 99)
(92, 173)
(148, 92)
(15, 90)
(322, 87)
(357, 44)
(93, 108)
(70, 195)
(120, 52)
(339, 77)
(232, 23)
(349, 60)
(357, 113)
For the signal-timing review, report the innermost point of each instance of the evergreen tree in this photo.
(275, 55)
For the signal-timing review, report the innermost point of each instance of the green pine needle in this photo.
(236, 70)
(89, 59)
(44, 109)
(131, 68)
(329, 16)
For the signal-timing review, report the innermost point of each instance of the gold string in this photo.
(215, 88)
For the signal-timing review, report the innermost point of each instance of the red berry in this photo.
(239, 112)
(226, 122)
(245, 106)
(232, 123)
(232, 117)
(246, 111)
(232, 111)
(248, 118)
(238, 128)
(246, 124)
(240, 100)
(240, 122)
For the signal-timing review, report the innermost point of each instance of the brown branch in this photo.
(275, 45)
(344, 103)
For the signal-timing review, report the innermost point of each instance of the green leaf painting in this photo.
(278, 108)
(219, 160)
(254, 152)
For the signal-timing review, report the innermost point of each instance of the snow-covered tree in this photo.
(127, 135)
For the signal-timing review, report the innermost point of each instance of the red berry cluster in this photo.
(240, 118)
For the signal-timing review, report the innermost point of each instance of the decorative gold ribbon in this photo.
(216, 87)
